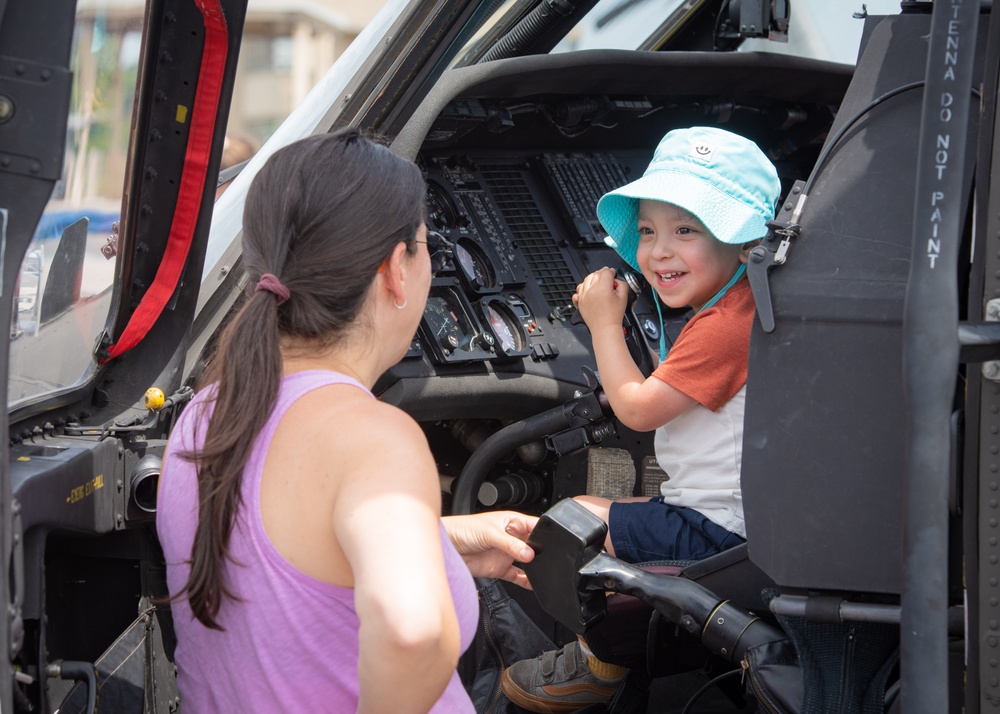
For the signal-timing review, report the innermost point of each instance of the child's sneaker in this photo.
(559, 681)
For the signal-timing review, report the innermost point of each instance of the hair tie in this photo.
(271, 284)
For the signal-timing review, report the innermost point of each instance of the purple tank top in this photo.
(291, 642)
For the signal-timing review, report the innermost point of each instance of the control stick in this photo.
(571, 573)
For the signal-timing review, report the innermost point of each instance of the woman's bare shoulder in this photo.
(346, 424)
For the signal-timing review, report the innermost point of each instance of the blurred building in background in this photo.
(287, 46)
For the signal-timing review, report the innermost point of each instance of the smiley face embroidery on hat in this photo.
(702, 151)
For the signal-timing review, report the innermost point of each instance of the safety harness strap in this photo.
(189, 197)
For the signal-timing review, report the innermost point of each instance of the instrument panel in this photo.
(525, 233)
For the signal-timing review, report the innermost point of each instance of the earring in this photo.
(398, 306)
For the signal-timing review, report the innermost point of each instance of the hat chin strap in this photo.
(739, 274)
(659, 314)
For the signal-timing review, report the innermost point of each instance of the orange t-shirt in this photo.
(708, 361)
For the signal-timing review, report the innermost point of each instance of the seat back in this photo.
(823, 439)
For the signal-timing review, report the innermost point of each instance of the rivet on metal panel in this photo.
(991, 370)
(6, 108)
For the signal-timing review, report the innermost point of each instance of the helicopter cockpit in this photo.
(521, 114)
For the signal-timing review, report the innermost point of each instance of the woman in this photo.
(299, 516)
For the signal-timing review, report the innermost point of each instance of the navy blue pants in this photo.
(642, 532)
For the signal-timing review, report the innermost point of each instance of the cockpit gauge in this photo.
(474, 267)
(511, 336)
(451, 331)
(442, 212)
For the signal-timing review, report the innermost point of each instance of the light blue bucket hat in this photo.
(722, 178)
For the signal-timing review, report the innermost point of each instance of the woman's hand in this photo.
(601, 299)
(491, 542)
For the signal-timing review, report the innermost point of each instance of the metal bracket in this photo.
(773, 251)
(991, 369)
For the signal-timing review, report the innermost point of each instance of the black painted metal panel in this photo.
(823, 443)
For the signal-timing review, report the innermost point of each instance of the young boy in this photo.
(688, 224)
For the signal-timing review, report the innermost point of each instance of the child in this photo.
(688, 224)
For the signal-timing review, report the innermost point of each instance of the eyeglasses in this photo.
(439, 248)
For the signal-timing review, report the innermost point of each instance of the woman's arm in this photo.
(387, 521)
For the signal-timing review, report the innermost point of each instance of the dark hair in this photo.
(322, 215)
